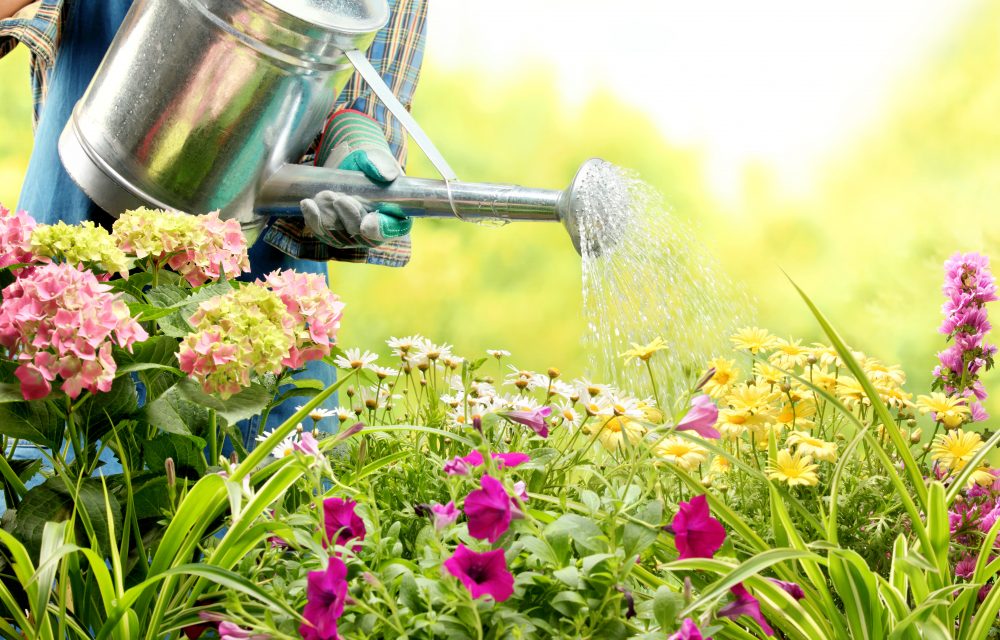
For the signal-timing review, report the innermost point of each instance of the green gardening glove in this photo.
(355, 142)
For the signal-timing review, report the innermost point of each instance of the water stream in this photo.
(645, 275)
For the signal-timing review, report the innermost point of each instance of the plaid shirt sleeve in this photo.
(37, 27)
(397, 54)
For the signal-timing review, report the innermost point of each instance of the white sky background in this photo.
(777, 81)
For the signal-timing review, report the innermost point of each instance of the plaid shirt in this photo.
(397, 53)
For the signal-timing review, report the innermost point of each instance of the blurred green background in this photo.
(867, 243)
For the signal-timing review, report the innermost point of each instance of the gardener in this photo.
(68, 39)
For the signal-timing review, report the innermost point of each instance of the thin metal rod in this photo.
(282, 193)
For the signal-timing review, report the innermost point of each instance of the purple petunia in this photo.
(688, 631)
(444, 515)
(488, 510)
(696, 533)
(341, 520)
(745, 604)
(534, 419)
(483, 574)
(326, 593)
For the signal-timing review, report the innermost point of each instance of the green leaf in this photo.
(570, 576)
(38, 421)
(247, 403)
(569, 603)
(51, 501)
(11, 392)
(173, 412)
(188, 454)
(156, 352)
(584, 532)
(666, 605)
(104, 410)
(637, 537)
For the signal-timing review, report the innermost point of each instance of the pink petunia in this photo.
(488, 510)
(790, 588)
(326, 593)
(696, 533)
(483, 574)
(341, 520)
(701, 418)
(534, 419)
(444, 515)
(745, 604)
(307, 444)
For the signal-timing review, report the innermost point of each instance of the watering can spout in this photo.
(283, 192)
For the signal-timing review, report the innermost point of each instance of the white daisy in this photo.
(430, 351)
(570, 416)
(344, 414)
(284, 448)
(452, 361)
(401, 347)
(384, 372)
(354, 359)
(452, 400)
(498, 353)
(318, 413)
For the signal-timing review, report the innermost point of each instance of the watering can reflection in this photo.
(205, 104)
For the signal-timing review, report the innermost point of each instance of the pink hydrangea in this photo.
(15, 237)
(316, 310)
(60, 323)
(222, 250)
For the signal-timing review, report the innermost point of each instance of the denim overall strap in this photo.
(48, 193)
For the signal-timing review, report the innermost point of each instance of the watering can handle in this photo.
(389, 99)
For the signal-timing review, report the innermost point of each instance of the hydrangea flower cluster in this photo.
(15, 237)
(60, 322)
(315, 309)
(200, 248)
(80, 243)
(244, 332)
(968, 285)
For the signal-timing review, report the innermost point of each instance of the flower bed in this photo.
(795, 491)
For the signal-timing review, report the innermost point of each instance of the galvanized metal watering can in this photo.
(206, 104)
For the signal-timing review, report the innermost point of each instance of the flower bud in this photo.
(350, 392)
(554, 373)
(171, 472)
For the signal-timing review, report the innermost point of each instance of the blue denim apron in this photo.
(50, 195)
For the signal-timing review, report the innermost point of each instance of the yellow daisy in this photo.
(681, 452)
(983, 476)
(948, 410)
(789, 354)
(768, 374)
(753, 400)
(613, 433)
(954, 450)
(796, 416)
(721, 466)
(815, 447)
(725, 375)
(824, 379)
(732, 424)
(644, 352)
(850, 392)
(753, 340)
(794, 468)
(880, 373)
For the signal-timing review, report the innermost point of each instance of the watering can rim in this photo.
(319, 17)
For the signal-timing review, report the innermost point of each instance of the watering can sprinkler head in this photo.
(591, 227)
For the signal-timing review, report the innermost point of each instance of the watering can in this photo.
(203, 105)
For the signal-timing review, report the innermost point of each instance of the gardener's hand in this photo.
(355, 142)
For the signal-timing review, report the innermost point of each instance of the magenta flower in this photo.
(701, 418)
(483, 574)
(326, 593)
(966, 567)
(790, 588)
(307, 444)
(488, 510)
(745, 604)
(342, 521)
(460, 466)
(968, 286)
(688, 631)
(534, 419)
(444, 515)
(696, 533)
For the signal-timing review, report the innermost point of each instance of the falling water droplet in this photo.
(646, 276)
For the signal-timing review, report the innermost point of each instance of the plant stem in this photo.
(213, 438)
